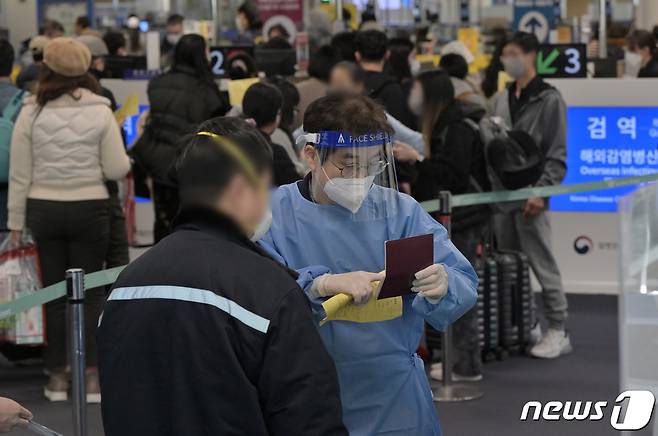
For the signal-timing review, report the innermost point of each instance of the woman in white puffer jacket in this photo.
(65, 143)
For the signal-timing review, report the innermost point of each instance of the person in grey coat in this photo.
(531, 105)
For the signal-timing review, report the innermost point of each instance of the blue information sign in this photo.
(534, 16)
(606, 143)
(130, 125)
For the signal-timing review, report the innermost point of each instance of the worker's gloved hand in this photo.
(431, 283)
(358, 284)
(12, 415)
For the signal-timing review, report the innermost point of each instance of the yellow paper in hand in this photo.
(341, 307)
(130, 108)
(237, 89)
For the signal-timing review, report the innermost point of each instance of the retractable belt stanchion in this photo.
(75, 291)
(449, 391)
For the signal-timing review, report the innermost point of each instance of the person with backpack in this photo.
(454, 161)
(533, 106)
(371, 55)
(11, 101)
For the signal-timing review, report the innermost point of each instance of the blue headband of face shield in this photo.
(338, 139)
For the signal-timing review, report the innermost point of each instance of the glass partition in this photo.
(638, 300)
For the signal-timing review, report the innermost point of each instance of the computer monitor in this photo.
(117, 66)
(605, 67)
(276, 61)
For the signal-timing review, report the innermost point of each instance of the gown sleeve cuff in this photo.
(449, 308)
(305, 280)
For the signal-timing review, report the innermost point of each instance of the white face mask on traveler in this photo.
(173, 38)
(349, 193)
(514, 66)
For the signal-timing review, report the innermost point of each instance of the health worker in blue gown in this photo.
(331, 227)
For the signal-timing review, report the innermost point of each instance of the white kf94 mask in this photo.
(349, 193)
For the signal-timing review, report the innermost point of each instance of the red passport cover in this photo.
(404, 258)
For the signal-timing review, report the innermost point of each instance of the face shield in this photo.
(355, 172)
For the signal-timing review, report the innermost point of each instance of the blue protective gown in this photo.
(384, 389)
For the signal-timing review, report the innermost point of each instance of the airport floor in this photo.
(591, 372)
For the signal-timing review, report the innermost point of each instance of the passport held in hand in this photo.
(403, 259)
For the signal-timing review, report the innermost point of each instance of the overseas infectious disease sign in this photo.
(605, 143)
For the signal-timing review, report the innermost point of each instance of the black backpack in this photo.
(514, 159)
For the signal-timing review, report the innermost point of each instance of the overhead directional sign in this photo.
(534, 16)
(562, 61)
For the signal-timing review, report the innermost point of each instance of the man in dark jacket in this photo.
(533, 106)
(205, 334)
(262, 103)
(371, 54)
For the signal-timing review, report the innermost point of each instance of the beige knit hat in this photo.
(67, 57)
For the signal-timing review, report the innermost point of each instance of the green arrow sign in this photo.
(544, 66)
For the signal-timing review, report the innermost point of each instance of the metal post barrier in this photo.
(449, 391)
(75, 291)
(603, 31)
(339, 24)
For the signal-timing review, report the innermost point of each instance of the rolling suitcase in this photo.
(507, 281)
(515, 299)
(522, 298)
(487, 306)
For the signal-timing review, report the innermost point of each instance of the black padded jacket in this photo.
(179, 101)
(207, 335)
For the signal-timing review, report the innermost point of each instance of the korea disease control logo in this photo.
(632, 410)
(583, 244)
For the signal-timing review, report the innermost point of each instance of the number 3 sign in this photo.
(562, 61)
